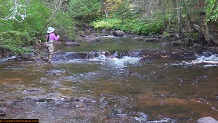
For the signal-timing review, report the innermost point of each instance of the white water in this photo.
(6, 59)
(202, 60)
(123, 62)
(213, 59)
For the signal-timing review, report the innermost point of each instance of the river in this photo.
(110, 90)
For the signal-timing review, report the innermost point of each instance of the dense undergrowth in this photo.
(132, 26)
(23, 22)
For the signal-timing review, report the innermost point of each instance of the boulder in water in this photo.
(118, 33)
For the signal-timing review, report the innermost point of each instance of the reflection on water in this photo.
(120, 89)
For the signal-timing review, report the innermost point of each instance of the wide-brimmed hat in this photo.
(50, 29)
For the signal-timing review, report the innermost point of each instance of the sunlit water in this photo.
(122, 89)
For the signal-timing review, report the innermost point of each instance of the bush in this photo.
(19, 28)
(113, 23)
(134, 26)
(84, 10)
(15, 44)
(64, 24)
(17, 32)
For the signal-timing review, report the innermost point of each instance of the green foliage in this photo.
(112, 23)
(25, 20)
(192, 35)
(15, 41)
(211, 10)
(38, 14)
(64, 24)
(123, 11)
(134, 26)
(166, 34)
(17, 32)
(84, 10)
(147, 28)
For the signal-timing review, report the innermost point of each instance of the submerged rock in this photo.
(156, 54)
(79, 105)
(55, 72)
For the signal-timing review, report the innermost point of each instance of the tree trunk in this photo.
(178, 9)
(190, 23)
(163, 14)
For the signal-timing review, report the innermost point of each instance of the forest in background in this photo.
(23, 22)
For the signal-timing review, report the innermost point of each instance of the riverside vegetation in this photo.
(23, 22)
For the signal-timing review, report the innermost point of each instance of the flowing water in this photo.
(110, 90)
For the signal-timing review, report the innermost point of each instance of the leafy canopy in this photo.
(84, 9)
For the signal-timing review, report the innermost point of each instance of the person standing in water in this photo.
(50, 44)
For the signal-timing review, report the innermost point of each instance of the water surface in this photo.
(122, 89)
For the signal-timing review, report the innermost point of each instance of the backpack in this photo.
(47, 43)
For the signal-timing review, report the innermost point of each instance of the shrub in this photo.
(134, 26)
(17, 32)
(15, 44)
(113, 23)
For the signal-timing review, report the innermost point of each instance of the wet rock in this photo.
(151, 40)
(55, 72)
(89, 38)
(80, 105)
(77, 100)
(142, 117)
(44, 100)
(182, 54)
(186, 42)
(213, 49)
(156, 54)
(59, 52)
(32, 90)
(77, 55)
(206, 120)
(86, 100)
(118, 33)
(82, 102)
(71, 44)
(68, 99)
(81, 55)
(2, 112)
(8, 103)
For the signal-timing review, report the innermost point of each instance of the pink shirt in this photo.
(53, 37)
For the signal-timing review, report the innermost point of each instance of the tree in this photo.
(85, 10)
(178, 8)
(163, 11)
(17, 9)
(22, 21)
(123, 10)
